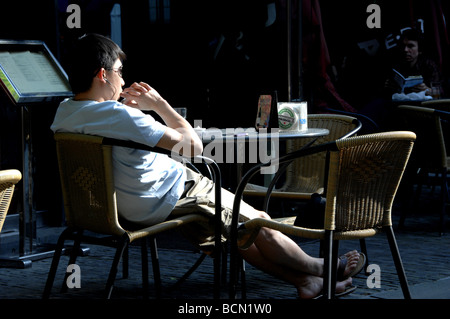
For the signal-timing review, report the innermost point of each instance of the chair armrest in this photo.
(442, 114)
(186, 160)
(213, 170)
(358, 126)
(283, 162)
(375, 127)
(131, 144)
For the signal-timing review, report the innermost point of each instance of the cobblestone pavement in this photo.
(425, 255)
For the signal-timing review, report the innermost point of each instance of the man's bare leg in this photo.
(307, 285)
(278, 249)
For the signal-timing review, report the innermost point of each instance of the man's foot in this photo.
(246, 237)
(312, 287)
(350, 264)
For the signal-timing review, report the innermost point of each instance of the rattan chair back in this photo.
(364, 176)
(307, 174)
(429, 150)
(8, 179)
(86, 173)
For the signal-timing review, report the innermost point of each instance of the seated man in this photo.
(413, 62)
(151, 186)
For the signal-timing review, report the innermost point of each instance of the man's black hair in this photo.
(413, 35)
(91, 52)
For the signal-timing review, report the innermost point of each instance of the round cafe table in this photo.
(250, 134)
(227, 146)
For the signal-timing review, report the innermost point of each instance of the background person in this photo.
(413, 62)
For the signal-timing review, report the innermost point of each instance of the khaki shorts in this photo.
(199, 197)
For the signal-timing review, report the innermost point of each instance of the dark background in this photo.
(179, 58)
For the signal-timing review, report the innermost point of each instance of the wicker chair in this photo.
(85, 165)
(364, 175)
(306, 175)
(430, 154)
(440, 104)
(8, 179)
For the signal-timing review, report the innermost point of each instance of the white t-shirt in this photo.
(148, 184)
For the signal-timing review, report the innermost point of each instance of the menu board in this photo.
(30, 73)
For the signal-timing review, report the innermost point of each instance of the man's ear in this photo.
(101, 75)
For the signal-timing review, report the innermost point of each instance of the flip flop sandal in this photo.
(343, 263)
(348, 290)
(246, 237)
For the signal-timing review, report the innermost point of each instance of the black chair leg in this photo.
(55, 261)
(73, 256)
(243, 279)
(123, 244)
(362, 244)
(125, 263)
(155, 265)
(333, 260)
(406, 192)
(444, 196)
(398, 262)
(144, 267)
(224, 260)
(328, 265)
(219, 263)
(189, 272)
(321, 248)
